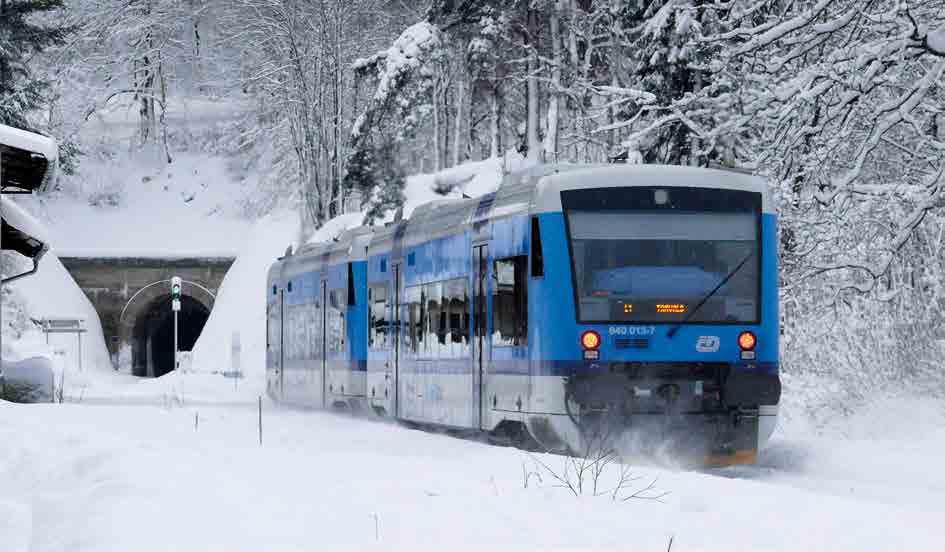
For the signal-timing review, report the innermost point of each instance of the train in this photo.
(574, 301)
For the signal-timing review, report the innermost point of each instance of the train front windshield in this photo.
(663, 255)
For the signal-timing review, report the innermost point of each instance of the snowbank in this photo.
(52, 293)
(241, 301)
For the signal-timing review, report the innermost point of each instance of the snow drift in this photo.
(240, 305)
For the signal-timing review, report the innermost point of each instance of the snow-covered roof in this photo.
(29, 141)
(29, 161)
(17, 217)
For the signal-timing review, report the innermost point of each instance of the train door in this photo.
(395, 334)
(273, 332)
(281, 355)
(275, 340)
(322, 364)
(481, 340)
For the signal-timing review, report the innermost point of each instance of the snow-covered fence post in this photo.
(260, 420)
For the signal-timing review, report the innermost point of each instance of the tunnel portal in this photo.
(153, 334)
(132, 298)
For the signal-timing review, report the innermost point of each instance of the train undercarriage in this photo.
(707, 413)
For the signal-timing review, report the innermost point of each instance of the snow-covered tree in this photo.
(22, 92)
(24, 33)
(405, 77)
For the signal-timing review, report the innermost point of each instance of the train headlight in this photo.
(590, 340)
(747, 342)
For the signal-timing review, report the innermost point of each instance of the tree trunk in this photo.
(533, 140)
(437, 158)
(494, 145)
(458, 124)
(551, 132)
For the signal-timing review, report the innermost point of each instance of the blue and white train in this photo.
(575, 297)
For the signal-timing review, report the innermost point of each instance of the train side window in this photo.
(538, 259)
(510, 302)
(336, 321)
(413, 300)
(455, 305)
(434, 335)
(377, 330)
(422, 322)
(318, 338)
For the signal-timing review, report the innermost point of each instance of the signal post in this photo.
(175, 306)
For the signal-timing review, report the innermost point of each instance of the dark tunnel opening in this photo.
(153, 350)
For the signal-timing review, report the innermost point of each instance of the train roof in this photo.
(533, 190)
(548, 190)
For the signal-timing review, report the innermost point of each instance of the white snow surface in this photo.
(240, 304)
(191, 475)
(186, 209)
(936, 39)
(336, 226)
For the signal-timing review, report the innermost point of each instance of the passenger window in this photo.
(414, 301)
(434, 315)
(439, 319)
(336, 320)
(455, 304)
(510, 302)
(377, 330)
(317, 341)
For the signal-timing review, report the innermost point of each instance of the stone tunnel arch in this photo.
(122, 289)
(146, 325)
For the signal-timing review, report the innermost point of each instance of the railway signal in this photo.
(175, 306)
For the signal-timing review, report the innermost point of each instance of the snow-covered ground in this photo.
(181, 476)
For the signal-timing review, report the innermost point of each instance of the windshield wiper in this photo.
(672, 331)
